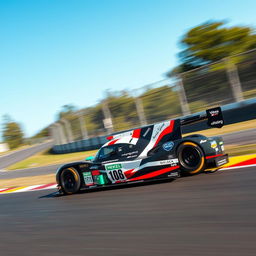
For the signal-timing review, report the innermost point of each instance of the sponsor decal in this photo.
(213, 144)
(173, 162)
(168, 145)
(202, 141)
(214, 112)
(217, 122)
(94, 167)
(88, 180)
(158, 130)
(83, 166)
(221, 162)
(173, 174)
(111, 167)
(130, 154)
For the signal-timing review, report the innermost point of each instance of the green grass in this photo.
(45, 158)
(249, 94)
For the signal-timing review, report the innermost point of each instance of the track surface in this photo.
(240, 138)
(16, 156)
(243, 137)
(208, 214)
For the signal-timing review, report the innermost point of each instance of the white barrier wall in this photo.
(4, 147)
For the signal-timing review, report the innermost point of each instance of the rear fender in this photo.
(202, 141)
(211, 146)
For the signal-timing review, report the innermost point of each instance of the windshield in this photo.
(116, 152)
(106, 153)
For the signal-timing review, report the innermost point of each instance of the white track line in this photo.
(237, 167)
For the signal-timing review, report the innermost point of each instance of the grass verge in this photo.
(45, 158)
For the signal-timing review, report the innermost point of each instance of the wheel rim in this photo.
(191, 157)
(70, 181)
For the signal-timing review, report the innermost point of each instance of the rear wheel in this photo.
(191, 158)
(70, 181)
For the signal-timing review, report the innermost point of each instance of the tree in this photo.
(67, 111)
(41, 134)
(12, 133)
(213, 41)
(160, 104)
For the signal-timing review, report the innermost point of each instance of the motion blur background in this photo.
(77, 70)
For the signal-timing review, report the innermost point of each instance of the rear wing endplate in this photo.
(213, 116)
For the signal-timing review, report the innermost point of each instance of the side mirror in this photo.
(89, 158)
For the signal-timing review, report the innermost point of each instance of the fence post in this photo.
(140, 111)
(108, 124)
(57, 134)
(53, 134)
(83, 126)
(68, 129)
(182, 96)
(61, 134)
(234, 80)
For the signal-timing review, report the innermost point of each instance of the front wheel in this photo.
(70, 181)
(191, 158)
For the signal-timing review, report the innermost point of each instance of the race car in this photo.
(153, 152)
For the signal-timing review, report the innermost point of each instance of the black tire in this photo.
(191, 158)
(70, 181)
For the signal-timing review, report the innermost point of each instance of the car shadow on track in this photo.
(122, 186)
(113, 187)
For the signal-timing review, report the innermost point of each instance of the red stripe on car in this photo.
(128, 173)
(136, 133)
(155, 173)
(208, 157)
(112, 142)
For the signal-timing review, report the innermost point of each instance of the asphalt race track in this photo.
(240, 138)
(19, 155)
(208, 214)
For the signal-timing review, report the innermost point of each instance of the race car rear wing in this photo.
(173, 127)
(213, 116)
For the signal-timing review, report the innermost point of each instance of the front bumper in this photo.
(217, 161)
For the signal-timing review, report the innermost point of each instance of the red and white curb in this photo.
(27, 188)
(235, 162)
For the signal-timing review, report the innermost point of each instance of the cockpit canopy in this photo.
(120, 151)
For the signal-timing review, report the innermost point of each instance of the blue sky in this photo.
(56, 52)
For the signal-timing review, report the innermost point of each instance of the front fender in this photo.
(76, 165)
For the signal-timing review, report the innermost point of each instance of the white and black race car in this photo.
(152, 152)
